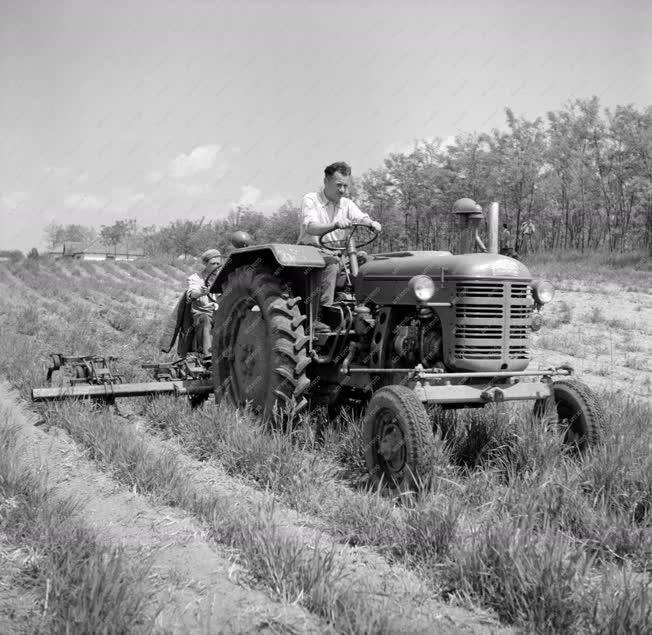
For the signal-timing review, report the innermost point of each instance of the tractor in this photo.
(407, 329)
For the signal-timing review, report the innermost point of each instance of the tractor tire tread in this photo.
(298, 321)
(301, 342)
(292, 302)
(285, 375)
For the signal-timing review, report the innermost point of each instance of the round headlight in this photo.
(544, 291)
(422, 287)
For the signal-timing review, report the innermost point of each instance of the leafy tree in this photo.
(118, 232)
(631, 159)
(415, 180)
(518, 163)
(180, 237)
(380, 199)
(249, 220)
(283, 225)
(56, 233)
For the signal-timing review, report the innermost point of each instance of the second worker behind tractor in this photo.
(329, 211)
(203, 302)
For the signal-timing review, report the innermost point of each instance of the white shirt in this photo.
(316, 208)
(204, 303)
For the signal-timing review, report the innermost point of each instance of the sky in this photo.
(160, 110)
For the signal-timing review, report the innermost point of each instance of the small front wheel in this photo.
(578, 411)
(398, 439)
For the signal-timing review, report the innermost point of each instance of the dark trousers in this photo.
(203, 325)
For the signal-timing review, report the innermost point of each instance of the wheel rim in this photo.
(248, 355)
(569, 420)
(390, 444)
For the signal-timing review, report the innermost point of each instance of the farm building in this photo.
(97, 251)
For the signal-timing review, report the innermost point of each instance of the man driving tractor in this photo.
(329, 211)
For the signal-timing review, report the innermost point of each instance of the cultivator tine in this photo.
(55, 364)
(85, 369)
(189, 367)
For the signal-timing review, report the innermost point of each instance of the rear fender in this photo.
(298, 260)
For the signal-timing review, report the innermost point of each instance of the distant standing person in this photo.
(527, 232)
(203, 303)
(328, 210)
(506, 241)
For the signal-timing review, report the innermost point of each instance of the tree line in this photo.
(184, 238)
(580, 178)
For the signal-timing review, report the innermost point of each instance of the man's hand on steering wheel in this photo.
(343, 223)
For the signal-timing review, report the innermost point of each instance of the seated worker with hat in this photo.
(328, 210)
(203, 303)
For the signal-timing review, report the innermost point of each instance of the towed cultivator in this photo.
(96, 378)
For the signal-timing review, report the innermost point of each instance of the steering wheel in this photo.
(367, 233)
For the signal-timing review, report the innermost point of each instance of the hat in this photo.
(209, 254)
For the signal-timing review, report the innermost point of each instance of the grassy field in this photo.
(512, 532)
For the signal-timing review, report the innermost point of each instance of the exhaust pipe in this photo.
(492, 223)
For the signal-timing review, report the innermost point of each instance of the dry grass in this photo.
(509, 486)
(83, 584)
(638, 362)
(589, 270)
(291, 568)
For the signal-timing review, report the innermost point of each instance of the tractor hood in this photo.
(412, 263)
(385, 274)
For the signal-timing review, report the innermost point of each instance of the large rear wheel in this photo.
(398, 439)
(578, 413)
(259, 344)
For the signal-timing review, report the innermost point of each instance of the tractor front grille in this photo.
(470, 331)
(492, 322)
(479, 311)
(518, 332)
(519, 352)
(481, 289)
(464, 351)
